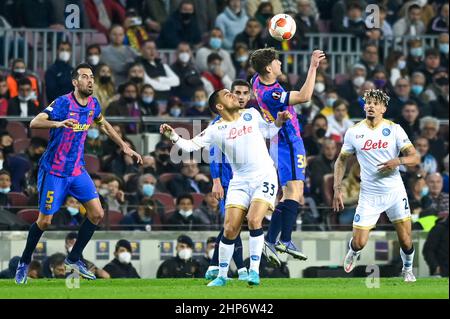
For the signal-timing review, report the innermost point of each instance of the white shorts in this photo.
(243, 191)
(370, 207)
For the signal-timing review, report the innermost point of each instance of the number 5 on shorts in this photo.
(49, 199)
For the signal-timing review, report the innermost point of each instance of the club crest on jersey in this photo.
(80, 127)
(276, 95)
(247, 117)
(72, 114)
(91, 113)
(386, 132)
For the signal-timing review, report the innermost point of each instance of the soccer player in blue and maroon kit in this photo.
(62, 170)
(286, 149)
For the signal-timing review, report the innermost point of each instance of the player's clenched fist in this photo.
(282, 117)
(316, 57)
(68, 123)
(166, 130)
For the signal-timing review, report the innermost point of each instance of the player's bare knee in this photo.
(230, 231)
(43, 224)
(254, 222)
(96, 216)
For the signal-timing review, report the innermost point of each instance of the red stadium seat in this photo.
(17, 130)
(28, 215)
(166, 200)
(167, 177)
(18, 199)
(42, 133)
(21, 144)
(92, 163)
(112, 219)
(198, 199)
(97, 38)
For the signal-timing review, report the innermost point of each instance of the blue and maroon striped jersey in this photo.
(64, 155)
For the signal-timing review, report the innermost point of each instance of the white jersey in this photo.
(372, 147)
(242, 141)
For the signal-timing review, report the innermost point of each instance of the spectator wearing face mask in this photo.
(146, 185)
(215, 78)
(93, 143)
(24, 104)
(205, 260)
(199, 104)
(331, 96)
(415, 56)
(69, 215)
(240, 60)
(145, 217)
(58, 77)
(18, 72)
(215, 45)
(120, 266)
(93, 52)
(428, 163)
(163, 162)
(182, 265)
(184, 67)
(443, 49)
(104, 85)
(349, 89)
(181, 26)
(149, 106)
(175, 107)
(439, 106)
(5, 187)
(231, 21)
(185, 218)
(314, 142)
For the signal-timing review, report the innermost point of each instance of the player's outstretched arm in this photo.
(339, 171)
(192, 145)
(42, 121)
(108, 130)
(410, 158)
(306, 92)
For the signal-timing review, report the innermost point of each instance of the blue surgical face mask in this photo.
(175, 112)
(416, 52)
(93, 133)
(5, 190)
(148, 189)
(443, 48)
(424, 192)
(215, 43)
(200, 103)
(416, 89)
(330, 101)
(147, 99)
(73, 211)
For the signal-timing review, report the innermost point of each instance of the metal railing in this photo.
(38, 47)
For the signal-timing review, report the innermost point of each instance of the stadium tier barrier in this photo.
(151, 248)
(38, 47)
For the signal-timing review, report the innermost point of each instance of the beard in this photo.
(86, 92)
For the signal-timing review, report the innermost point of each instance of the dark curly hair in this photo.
(377, 95)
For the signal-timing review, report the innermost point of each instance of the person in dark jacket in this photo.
(185, 217)
(58, 77)
(182, 265)
(435, 250)
(409, 119)
(11, 270)
(69, 216)
(120, 266)
(251, 36)
(24, 104)
(181, 26)
(145, 217)
(190, 180)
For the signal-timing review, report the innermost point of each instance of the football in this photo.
(282, 27)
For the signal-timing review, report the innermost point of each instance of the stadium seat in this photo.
(18, 199)
(97, 38)
(112, 219)
(42, 133)
(166, 200)
(92, 163)
(166, 177)
(20, 145)
(17, 130)
(198, 199)
(28, 215)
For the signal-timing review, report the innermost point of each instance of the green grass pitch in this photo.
(328, 288)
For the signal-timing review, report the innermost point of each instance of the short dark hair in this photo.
(123, 86)
(212, 57)
(212, 101)
(71, 236)
(432, 52)
(83, 65)
(410, 102)
(65, 43)
(261, 58)
(24, 81)
(185, 196)
(376, 95)
(318, 117)
(339, 102)
(240, 82)
(94, 46)
(210, 240)
(4, 172)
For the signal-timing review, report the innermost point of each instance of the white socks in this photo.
(225, 255)
(407, 259)
(256, 245)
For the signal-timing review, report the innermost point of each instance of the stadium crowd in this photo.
(213, 40)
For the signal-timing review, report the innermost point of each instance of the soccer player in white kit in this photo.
(240, 135)
(377, 143)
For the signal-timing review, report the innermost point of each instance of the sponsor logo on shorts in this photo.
(247, 117)
(255, 257)
(357, 218)
(386, 132)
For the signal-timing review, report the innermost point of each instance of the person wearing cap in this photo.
(120, 266)
(182, 265)
(349, 89)
(162, 158)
